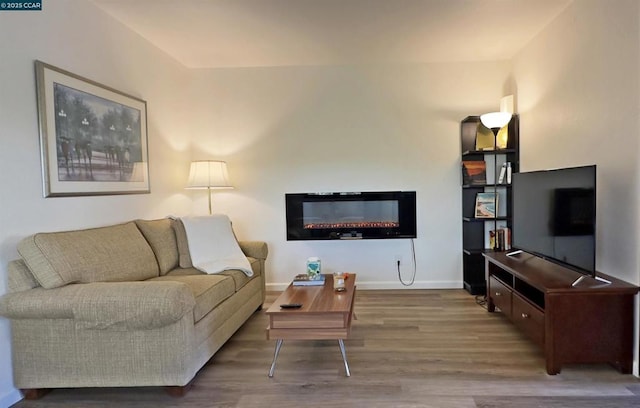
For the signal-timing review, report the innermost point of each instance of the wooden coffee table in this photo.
(324, 315)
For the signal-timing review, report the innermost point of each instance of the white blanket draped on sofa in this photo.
(212, 245)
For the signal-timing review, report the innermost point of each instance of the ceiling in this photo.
(250, 33)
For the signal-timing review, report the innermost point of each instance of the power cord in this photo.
(413, 256)
(481, 300)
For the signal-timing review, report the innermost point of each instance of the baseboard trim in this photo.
(382, 285)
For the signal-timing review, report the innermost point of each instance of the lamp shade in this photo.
(495, 119)
(210, 174)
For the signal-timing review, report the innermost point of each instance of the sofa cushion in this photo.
(240, 278)
(208, 290)
(20, 278)
(109, 254)
(184, 257)
(160, 235)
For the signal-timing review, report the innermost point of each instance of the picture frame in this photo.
(486, 205)
(474, 172)
(485, 139)
(93, 138)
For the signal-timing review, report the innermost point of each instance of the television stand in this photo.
(573, 324)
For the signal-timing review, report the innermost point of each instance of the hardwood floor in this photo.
(409, 348)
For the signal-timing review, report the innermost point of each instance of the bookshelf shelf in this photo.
(486, 152)
(482, 186)
(472, 219)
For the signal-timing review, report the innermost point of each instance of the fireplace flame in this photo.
(371, 224)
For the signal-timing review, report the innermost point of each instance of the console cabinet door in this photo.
(501, 295)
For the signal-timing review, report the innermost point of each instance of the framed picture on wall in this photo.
(93, 139)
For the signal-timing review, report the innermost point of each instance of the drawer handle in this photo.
(525, 316)
(498, 294)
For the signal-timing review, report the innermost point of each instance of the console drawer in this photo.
(501, 295)
(529, 319)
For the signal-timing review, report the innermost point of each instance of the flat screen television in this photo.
(554, 216)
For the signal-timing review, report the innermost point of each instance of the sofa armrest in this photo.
(254, 249)
(131, 305)
(39, 303)
(117, 306)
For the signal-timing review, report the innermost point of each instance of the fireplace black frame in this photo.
(406, 216)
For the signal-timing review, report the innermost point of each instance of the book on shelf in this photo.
(505, 173)
(500, 239)
(304, 279)
(474, 172)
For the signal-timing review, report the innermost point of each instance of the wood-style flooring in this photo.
(408, 348)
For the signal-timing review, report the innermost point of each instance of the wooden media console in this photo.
(590, 322)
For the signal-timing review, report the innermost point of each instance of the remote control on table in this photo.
(291, 305)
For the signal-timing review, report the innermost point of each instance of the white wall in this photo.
(578, 89)
(577, 92)
(336, 128)
(344, 128)
(76, 36)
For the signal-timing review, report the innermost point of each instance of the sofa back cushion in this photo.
(160, 235)
(20, 277)
(110, 254)
(183, 245)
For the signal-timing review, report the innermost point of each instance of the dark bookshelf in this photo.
(475, 230)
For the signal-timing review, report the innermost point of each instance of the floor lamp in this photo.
(209, 175)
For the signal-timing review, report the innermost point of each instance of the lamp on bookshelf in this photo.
(495, 120)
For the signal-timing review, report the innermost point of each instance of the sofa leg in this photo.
(179, 391)
(35, 393)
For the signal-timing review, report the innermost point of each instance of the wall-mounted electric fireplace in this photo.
(366, 215)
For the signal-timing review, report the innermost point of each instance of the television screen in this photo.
(554, 215)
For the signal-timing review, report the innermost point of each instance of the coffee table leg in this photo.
(344, 357)
(275, 357)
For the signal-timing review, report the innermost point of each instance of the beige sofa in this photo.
(121, 306)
